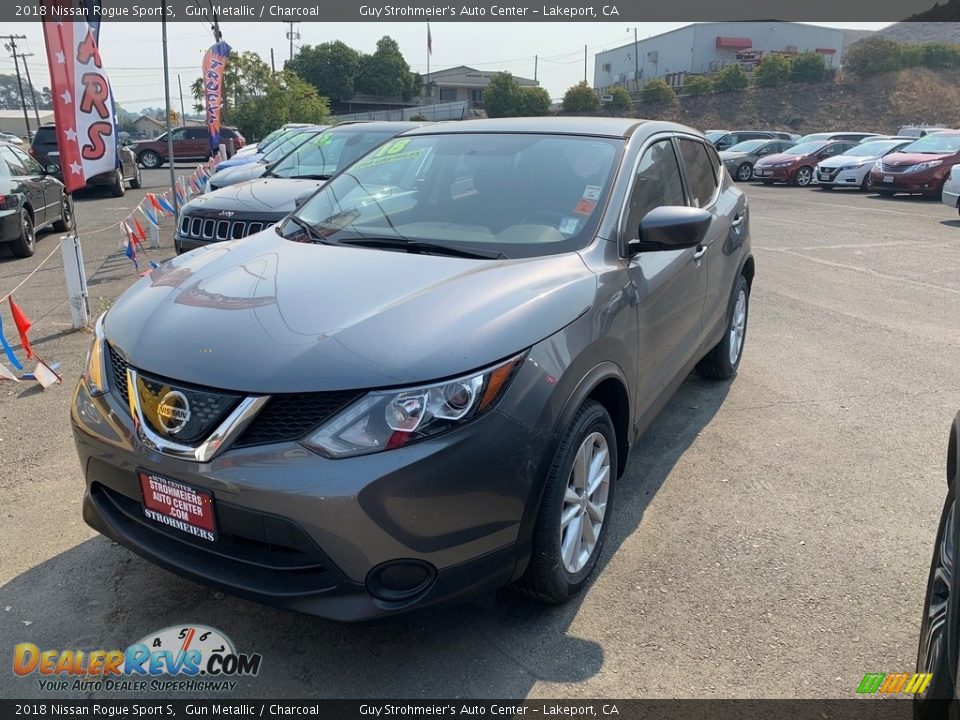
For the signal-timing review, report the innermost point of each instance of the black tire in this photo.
(865, 185)
(136, 182)
(803, 176)
(937, 651)
(717, 364)
(119, 187)
(25, 245)
(66, 214)
(150, 159)
(744, 172)
(547, 578)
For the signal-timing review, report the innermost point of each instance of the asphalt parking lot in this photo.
(771, 539)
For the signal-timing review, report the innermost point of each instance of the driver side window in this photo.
(656, 184)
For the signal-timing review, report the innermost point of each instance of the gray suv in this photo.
(423, 384)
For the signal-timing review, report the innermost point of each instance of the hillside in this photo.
(922, 32)
(882, 104)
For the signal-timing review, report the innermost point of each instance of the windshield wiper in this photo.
(310, 229)
(416, 246)
(313, 177)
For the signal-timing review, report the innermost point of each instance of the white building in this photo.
(707, 47)
(11, 121)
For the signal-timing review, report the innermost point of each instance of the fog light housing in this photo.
(400, 580)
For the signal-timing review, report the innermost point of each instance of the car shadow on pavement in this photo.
(100, 595)
(950, 223)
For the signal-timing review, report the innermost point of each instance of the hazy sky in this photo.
(133, 57)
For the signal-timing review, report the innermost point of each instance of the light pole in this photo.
(636, 59)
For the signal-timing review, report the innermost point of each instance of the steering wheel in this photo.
(552, 217)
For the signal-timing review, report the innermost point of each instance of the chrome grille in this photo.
(886, 167)
(206, 408)
(212, 229)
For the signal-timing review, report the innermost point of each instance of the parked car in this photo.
(10, 138)
(951, 188)
(248, 207)
(437, 367)
(855, 136)
(919, 131)
(226, 176)
(740, 158)
(31, 198)
(735, 137)
(713, 135)
(852, 169)
(921, 167)
(937, 651)
(45, 151)
(796, 164)
(287, 139)
(191, 142)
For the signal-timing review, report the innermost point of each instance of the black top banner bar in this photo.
(501, 11)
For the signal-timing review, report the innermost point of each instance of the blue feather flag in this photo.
(9, 350)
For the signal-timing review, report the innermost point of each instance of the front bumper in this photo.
(922, 183)
(307, 533)
(832, 176)
(768, 174)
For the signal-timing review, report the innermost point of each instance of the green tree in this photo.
(503, 96)
(620, 100)
(732, 77)
(808, 67)
(773, 71)
(657, 90)
(287, 98)
(873, 55)
(697, 85)
(911, 56)
(940, 55)
(534, 101)
(10, 94)
(580, 98)
(333, 68)
(386, 72)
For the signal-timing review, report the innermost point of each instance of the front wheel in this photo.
(573, 517)
(137, 182)
(66, 214)
(803, 177)
(744, 172)
(118, 188)
(722, 361)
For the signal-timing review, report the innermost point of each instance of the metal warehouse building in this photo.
(707, 47)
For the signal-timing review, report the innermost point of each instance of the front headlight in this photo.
(855, 165)
(925, 165)
(94, 372)
(783, 165)
(387, 419)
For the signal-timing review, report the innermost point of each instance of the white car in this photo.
(852, 169)
(951, 188)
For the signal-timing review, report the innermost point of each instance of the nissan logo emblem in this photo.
(173, 412)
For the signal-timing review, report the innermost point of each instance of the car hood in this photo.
(238, 160)
(781, 157)
(841, 160)
(267, 315)
(234, 175)
(905, 159)
(269, 197)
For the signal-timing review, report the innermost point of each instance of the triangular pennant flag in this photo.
(45, 375)
(156, 203)
(5, 374)
(23, 325)
(9, 350)
(165, 205)
(31, 376)
(131, 252)
(154, 265)
(148, 213)
(141, 235)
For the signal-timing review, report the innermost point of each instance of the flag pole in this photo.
(166, 88)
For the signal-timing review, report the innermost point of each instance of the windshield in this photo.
(935, 144)
(523, 195)
(806, 148)
(265, 147)
(291, 143)
(873, 149)
(747, 146)
(324, 154)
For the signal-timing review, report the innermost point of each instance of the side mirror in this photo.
(127, 142)
(671, 228)
(52, 169)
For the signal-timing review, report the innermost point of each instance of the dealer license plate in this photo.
(888, 178)
(178, 506)
(762, 173)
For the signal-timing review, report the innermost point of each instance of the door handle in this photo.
(701, 251)
(738, 220)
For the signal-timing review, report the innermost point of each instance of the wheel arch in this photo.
(953, 447)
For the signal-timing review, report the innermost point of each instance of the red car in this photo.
(921, 167)
(796, 164)
(189, 143)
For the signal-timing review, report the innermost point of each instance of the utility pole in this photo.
(171, 160)
(183, 113)
(273, 64)
(585, 63)
(636, 59)
(536, 60)
(11, 45)
(33, 95)
(291, 36)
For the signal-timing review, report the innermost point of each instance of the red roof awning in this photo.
(826, 51)
(737, 43)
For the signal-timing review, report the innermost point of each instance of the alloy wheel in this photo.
(738, 326)
(29, 238)
(933, 646)
(803, 177)
(744, 172)
(585, 502)
(66, 212)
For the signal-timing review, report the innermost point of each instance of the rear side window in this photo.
(196, 134)
(45, 136)
(12, 161)
(657, 183)
(701, 173)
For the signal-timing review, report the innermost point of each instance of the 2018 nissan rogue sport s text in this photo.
(423, 384)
